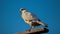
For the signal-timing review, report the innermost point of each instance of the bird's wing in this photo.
(30, 16)
(34, 17)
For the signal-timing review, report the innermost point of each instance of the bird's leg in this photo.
(31, 28)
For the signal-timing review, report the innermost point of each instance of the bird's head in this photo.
(22, 10)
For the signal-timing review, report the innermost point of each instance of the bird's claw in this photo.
(28, 30)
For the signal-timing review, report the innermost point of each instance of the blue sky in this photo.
(10, 18)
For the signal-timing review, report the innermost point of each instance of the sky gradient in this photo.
(46, 10)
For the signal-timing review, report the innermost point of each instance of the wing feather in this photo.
(29, 16)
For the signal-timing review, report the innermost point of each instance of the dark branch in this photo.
(37, 31)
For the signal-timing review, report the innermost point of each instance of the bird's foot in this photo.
(29, 30)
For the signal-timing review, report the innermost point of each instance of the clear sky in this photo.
(10, 18)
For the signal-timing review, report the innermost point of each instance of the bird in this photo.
(31, 19)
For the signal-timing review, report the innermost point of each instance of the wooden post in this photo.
(37, 31)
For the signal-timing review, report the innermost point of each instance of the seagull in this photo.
(31, 19)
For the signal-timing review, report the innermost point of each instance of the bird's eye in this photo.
(22, 9)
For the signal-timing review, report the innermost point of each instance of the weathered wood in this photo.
(37, 31)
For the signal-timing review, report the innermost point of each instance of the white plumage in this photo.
(31, 18)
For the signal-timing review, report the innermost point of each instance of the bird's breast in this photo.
(26, 16)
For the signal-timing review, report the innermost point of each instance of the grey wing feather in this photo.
(32, 16)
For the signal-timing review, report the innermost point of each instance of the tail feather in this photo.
(43, 24)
